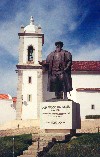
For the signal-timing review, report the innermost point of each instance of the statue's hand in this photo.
(39, 62)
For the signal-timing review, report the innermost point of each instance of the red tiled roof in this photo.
(4, 96)
(86, 66)
(81, 65)
(88, 89)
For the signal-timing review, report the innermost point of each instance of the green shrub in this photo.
(21, 143)
(87, 145)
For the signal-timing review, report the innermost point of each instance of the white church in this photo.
(32, 78)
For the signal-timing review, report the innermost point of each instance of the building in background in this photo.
(7, 108)
(32, 78)
(86, 86)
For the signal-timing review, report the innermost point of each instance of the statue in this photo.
(59, 71)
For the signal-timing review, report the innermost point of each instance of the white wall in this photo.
(7, 111)
(29, 108)
(84, 81)
(86, 99)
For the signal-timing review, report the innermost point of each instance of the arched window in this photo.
(30, 53)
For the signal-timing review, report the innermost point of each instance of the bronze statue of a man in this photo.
(59, 71)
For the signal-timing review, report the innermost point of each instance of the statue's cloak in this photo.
(59, 71)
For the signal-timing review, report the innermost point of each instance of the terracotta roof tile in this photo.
(4, 96)
(86, 66)
(80, 65)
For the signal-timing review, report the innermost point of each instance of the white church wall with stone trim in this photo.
(83, 81)
(21, 47)
(86, 100)
(40, 49)
(86, 80)
(29, 108)
(31, 35)
(27, 42)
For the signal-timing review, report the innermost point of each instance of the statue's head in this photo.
(59, 44)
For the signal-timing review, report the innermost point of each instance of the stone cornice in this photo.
(85, 72)
(88, 89)
(29, 66)
(30, 34)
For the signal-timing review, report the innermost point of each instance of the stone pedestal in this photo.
(59, 116)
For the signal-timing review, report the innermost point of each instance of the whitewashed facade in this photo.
(29, 92)
(7, 110)
(87, 93)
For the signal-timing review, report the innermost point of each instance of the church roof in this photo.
(86, 66)
(92, 66)
(8, 97)
(4, 96)
(31, 28)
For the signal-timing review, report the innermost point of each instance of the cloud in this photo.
(8, 81)
(74, 24)
(8, 40)
(58, 20)
(87, 52)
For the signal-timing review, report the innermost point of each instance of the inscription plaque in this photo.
(58, 115)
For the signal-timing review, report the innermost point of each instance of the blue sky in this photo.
(75, 22)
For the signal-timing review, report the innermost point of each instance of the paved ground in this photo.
(30, 126)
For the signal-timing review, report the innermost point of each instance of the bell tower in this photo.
(29, 90)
